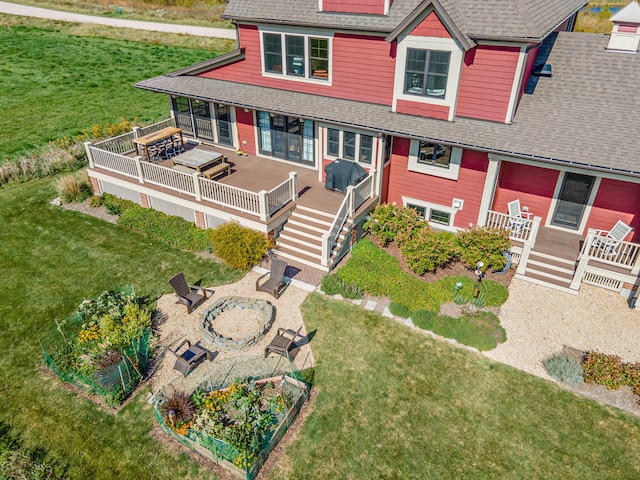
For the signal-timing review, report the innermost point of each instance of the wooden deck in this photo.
(558, 243)
(254, 173)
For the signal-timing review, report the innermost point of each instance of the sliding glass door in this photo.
(288, 138)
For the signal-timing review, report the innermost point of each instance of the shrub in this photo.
(611, 371)
(74, 187)
(485, 245)
(332, 284)
(115, 205)
(96, 201)
(564, 369)
(426, 250)
(168, 228)
(238, 246)
(178, 405)
(399, 310)
(388, 221)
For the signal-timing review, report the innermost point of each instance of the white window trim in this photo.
(453, 77)
(434, 206)
(374, 149)
(307, 34)
(451, 173)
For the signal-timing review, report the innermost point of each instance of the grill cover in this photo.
(342, 173)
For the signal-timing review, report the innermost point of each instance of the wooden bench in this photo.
(216, 170)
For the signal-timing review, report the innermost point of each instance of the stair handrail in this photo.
(347, 208)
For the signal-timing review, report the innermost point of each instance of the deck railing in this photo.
(232, 197)
(114, 162)
(282, 194)
(168, 178)
(519, 228)
(120, 144)
(354, 198)
(169, 122)
(262, 204)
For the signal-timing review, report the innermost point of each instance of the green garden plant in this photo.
(426, 250)
(74, 187)
(332, 284)
(611, 371)
(484, 245)
(388, 222)
(399, 310)
(565, 369)
(239, 247)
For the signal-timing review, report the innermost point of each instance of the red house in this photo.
(457, 108)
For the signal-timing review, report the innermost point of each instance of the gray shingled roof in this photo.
(587, 114)
(476, 19)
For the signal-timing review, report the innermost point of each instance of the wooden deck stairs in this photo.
(301, 236)
(549, 270)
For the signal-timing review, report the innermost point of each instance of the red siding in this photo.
(246, 131)
(354, 6)
(531, 59)
(438, 190)
(431, 26)
(440, 112)
(487, 77)
(534, 186)
(362, 66)
(615, 201)
(384, 194)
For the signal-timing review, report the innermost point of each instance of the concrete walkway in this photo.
(25, 11)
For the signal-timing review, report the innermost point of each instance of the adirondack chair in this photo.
(187, 295)
(609, 241)
(282, 342)
(186, 360)
(518, 220)
(275, 285)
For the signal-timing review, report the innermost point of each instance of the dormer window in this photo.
(301, 56)
(426, 72)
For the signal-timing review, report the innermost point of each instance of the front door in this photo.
(573, 197)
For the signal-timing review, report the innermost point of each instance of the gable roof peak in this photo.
(629, 14)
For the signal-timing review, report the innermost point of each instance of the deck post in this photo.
(138, 160)
(293, 178)
(87, 147)
(535, 226)
(351, 199)
(263, 204)
(636, 266)
(136, 132)
(579, 273)
(324, 256)
(374, 184)
(196, 185)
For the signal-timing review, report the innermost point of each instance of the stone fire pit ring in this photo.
(206, 325)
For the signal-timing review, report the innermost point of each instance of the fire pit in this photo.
(235, 323)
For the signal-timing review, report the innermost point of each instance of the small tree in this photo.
(390, 223)
(425, 250)
(238, 246)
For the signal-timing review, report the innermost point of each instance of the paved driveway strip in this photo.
(540, 320)
(26, 11)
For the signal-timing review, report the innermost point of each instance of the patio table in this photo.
(208, 162)
(142, 143)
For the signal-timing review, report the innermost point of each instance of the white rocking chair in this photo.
(609, 241)
(518, 220)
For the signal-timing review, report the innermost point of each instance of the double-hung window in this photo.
(437, 215)
(352, 146)
(426, 72)
(301, 56)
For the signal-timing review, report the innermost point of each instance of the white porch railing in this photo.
(598, 248)
(282, 194)
(169, 122)
(354, 198)
(262, 204)
(120, 144)
(520, 230)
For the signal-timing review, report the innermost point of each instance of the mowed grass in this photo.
(52, 259)
(53, 84)
(396, 404)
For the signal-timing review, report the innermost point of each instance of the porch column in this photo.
(293, 178)
(87, 148)
(490, 182)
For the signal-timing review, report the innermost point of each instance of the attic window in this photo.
(543, 71)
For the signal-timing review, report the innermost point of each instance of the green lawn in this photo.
(52, 259)
(396, 404)
(54, 84)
